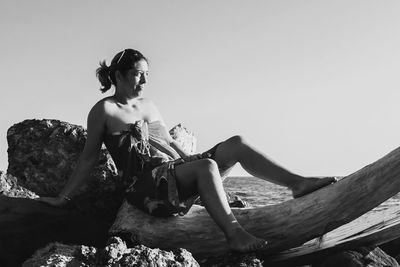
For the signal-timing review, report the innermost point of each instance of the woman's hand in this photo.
(53, 201)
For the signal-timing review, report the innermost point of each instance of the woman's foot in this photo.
(240, 240)
(312, 184)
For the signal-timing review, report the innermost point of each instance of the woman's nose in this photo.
(143, 79)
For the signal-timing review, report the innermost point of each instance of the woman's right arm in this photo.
(95, 132)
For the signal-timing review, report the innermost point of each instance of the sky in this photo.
(314, 85)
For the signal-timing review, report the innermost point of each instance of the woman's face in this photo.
(137, 76)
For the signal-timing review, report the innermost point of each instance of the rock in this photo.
(361, 257)
(9, 187)
(54, 254)
(233, 200)
(42, 154)
(116, 253)
(234, 260)
(185, 138)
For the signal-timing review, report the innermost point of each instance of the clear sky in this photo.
(313, 84)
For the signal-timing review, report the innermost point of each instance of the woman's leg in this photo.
(202, 177)
(235, 149)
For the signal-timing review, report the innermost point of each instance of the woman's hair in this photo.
(123, 61)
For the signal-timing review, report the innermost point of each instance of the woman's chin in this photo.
(139, 90)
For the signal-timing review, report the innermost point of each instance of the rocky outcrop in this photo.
(42, 154)
(363, 256)
(116, 253)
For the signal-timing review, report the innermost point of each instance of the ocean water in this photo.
(258, 192)
(255, 191)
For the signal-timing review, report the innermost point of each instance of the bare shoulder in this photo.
(99, 112)
(103, 107)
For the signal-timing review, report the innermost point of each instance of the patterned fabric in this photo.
(147, 164)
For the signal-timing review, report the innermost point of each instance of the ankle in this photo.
(233, 231)
(297, 182)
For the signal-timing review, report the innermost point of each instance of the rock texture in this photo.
(43, 155)
(361, 257)
(116, 253)
(9, 187)
(235, 260)
(185, 138)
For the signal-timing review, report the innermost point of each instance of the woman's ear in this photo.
(118, 76)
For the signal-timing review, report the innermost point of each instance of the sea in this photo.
(257, 192)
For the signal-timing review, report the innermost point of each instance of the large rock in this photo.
(185, 138)
(42, 154)
(116, 253)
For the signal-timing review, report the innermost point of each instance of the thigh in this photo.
(186, 179)
(225, 154)
(188, 174)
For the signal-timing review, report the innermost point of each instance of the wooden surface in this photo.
(285, 225)
(371, 229)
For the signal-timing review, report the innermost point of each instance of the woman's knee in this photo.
(236, 141)
(207, 165)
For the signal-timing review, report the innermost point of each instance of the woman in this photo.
(162, 179)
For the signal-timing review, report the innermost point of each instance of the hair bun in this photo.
(103, 74)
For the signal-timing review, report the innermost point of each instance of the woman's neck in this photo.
(125, 98)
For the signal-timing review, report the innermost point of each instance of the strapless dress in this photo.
(146, 162)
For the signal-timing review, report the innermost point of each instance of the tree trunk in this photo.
(284, 225)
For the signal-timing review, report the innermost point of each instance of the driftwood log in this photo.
(284, 225)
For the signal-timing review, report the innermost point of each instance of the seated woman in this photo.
(161, 178)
